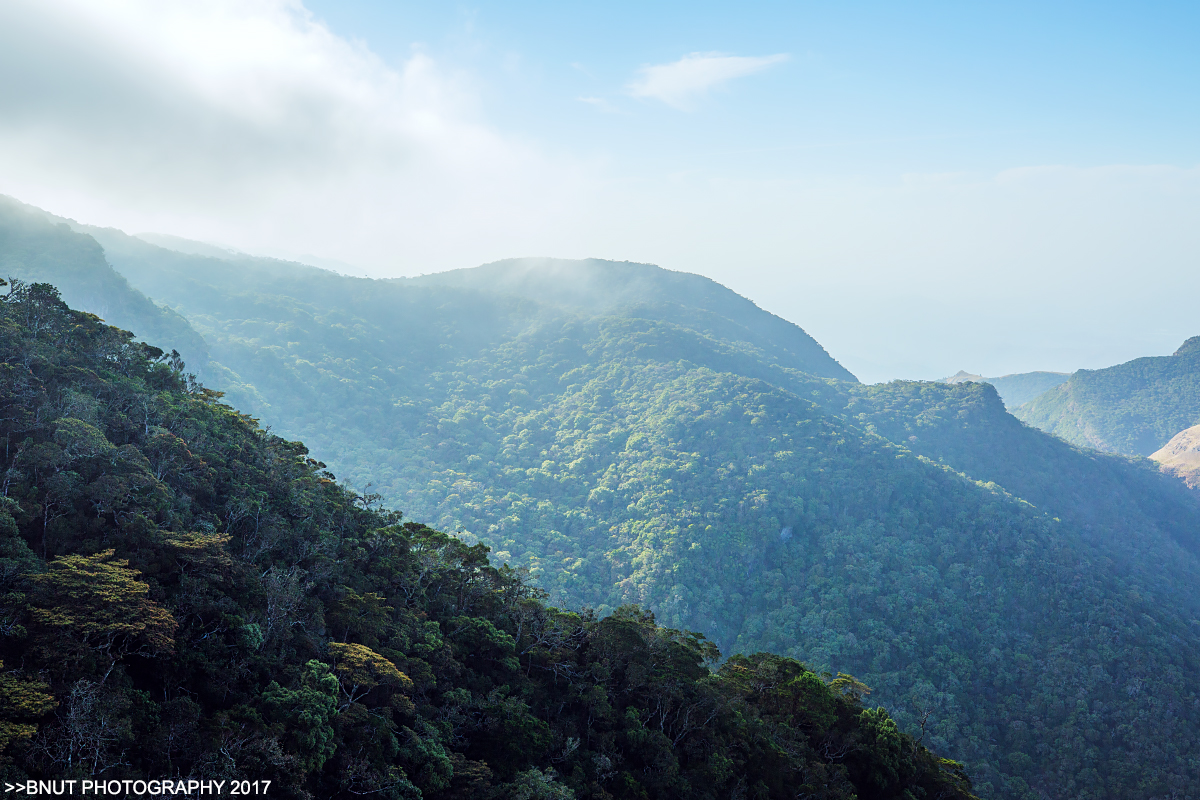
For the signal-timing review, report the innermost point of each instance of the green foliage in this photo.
(668, 446)
(304, 715)
(1133, 408)
(97, 603)
(204, 600)
(1120, 501)
(38, 248)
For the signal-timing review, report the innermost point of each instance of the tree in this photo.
(305, 715)
(360, 669)
(96, 603)
(20, 701)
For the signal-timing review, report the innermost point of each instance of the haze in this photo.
(924, 188)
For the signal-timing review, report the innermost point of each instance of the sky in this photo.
(923, 187)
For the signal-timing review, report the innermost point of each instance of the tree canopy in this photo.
(188, 595)
(1019, 604)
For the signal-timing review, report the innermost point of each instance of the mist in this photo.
(257, 126)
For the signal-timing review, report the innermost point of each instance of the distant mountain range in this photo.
(1015, 389)
(1133, 408)
(629, 434)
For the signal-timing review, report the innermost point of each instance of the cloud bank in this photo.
(250, 122)
(681, 83)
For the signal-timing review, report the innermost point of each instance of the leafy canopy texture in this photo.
(97, 602)
(627, 436)
(1133, 408)
(186, 595)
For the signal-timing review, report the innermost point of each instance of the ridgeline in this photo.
(1019, 604)
(1133, 408)
(188, 596)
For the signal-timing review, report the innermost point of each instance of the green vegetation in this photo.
(1120, 501)
(1027, 607)
(36, 247)
(1133, 408)
(1016, 389)
(187, 595)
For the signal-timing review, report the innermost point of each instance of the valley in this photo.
(620, 434)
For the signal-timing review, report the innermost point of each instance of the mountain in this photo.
(1133, 408)
(1015, 389)
(1032, 603)
(186, 596)
(596, 288)
(182, 245)
(1181, 456)
(34, 246)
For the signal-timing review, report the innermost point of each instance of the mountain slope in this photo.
(1133, 408)
(188, 597)
(598, 287)
(622, 455)
(36, 248)
(1015, 389)
(1181, 456)
(1120, 498)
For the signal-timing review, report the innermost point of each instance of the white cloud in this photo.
(680, 83)
(250, 122)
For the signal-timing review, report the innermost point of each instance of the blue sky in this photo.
(868, 87)
(925, 187)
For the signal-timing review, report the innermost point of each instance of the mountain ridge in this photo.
(600, 285)
(1132, 408)
(1017, 388)
(912, 534)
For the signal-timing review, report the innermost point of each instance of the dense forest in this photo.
(1133, 408)
(1025, 606)
(186, 595)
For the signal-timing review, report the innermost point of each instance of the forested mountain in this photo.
(187, 596)
(1033, 602)
(35, 247)
(1133, 408)
(1118, 498)
(645, 291)
(1015, 389)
